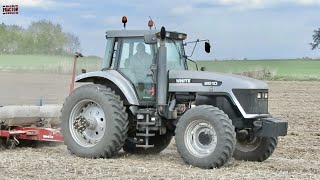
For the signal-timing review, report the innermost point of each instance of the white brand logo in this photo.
(183, 80)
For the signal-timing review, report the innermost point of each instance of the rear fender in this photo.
(115, 81)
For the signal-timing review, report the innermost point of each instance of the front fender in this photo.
(115, 77)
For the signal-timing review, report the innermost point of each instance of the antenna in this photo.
(153, 23)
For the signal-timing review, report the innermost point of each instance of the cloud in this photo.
(236, 28)
(180, 10)
(308, 2)
(88, 16)
(28, 3)
(44, 4)
(242, 4)
(113, 20)
(255, 4)
(17, 20)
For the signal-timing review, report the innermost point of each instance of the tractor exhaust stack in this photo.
(162, 77)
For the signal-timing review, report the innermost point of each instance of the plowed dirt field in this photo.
(297, 155)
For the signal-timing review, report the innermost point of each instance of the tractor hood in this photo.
(242, 90)
(201, 81)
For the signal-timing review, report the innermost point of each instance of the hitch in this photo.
(16, 133)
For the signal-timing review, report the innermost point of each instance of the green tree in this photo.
(72, 43)
(316, 39)
(41, 37)
(9, 39)
(3, 37)
(48, 38)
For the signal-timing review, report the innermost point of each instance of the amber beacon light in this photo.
(150, 24)
(124, 21)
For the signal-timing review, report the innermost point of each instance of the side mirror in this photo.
(77, 54)
(150, 39)
(203, 69)
(207, 47)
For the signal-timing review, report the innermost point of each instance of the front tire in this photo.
(258, 149)
(94, 122)
(205, 137)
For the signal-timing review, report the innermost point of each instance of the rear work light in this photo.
(174, 35)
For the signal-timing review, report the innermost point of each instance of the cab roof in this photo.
(129, 33)
(132, 33)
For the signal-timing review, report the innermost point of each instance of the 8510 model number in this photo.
(211, 83)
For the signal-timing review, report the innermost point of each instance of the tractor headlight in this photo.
(266, 95)
(259, 95)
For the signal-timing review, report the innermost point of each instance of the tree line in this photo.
(40, 37)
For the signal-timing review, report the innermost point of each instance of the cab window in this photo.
(134, 62)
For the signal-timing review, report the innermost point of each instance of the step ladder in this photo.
(145, 120)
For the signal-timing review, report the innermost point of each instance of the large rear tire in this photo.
(205, 137)
(257, 149)
(94, 122)
(160, 143)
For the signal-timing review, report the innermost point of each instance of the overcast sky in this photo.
(254, 29)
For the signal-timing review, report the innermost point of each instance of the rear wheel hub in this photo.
(80, 124)
(87, 123)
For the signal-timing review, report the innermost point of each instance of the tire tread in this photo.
(227, 131)
(119, 115)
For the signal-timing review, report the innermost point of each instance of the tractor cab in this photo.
(133, 53)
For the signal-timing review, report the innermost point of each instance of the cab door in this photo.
(135, 59)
